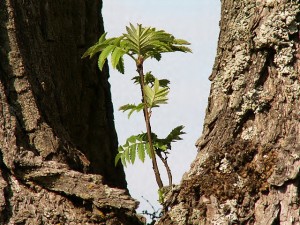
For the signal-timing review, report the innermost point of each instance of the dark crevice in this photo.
(7, 211)
(295, 36)
(264, 73)
(249, 115)
(277, 219)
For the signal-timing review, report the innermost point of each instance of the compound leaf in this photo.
(174, 135)
(156, 95)
(132, 108)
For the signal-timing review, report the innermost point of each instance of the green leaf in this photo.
(133, 152)
(160, 145)
(131, 139)
(155, 55)
(149, 42)
(93, 50)
(101, 45)
(120, 66)
(116, 55)
(138, 41)
(156, 95)
(147, 147)
(141, 151)
(164, 83)
(149, 96)
(132, 32)
(136, 79)
(127, 154)
(181, 49)
(117, 158)
(123, 160)
(88, 52)
(143, 137)
(126, 144)
(174, 135)
(127, 107)
(156, 85)
(102, 38)
(149, 78)
(181, 42)
(138, 108)
(132, 108)
(103, 56)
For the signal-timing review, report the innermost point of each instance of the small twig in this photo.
(165, 162)
(150, 204)
(156, 214)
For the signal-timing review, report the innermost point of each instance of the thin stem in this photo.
(148, 126)
(154, 211)
(165, 162)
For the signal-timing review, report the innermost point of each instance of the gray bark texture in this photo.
(247, 167)
(57, 135)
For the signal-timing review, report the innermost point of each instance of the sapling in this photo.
(142, 43)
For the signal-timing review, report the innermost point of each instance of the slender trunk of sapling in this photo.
(148, 126)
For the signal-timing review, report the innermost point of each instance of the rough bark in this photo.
(247, 168)
(57, 136)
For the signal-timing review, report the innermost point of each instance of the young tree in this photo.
(141, 43)
(247, 168)
(57, 137)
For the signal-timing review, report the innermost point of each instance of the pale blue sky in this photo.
(193, 20)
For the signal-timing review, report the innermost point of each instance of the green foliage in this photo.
(139, 144)
(131, 108)
(149, 79)
(156, 95)
(138, 41)
(175, 134)
(135, 144)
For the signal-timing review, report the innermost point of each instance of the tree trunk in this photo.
(247, 168)
(57, 135)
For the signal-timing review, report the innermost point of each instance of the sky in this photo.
(196, 21)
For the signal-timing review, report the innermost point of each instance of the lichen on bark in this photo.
(247, 168)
